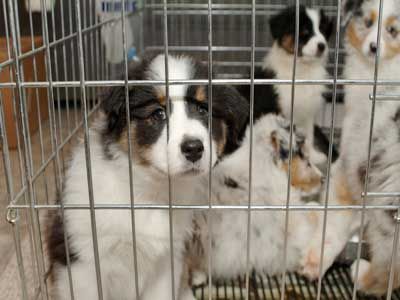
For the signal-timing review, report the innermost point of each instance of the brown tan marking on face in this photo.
(200, 95)
(287, 43)
(392, 42)
(303, 176)
(139, 153)
(162, 99)
(353, 37)
(222, 142)
(373, 16)
(274, 141)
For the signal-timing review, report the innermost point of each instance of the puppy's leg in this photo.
(372, 278)
(339, 228)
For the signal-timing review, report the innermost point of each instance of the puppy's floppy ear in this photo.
(326, 25)
(113, 105)
(278, 25)
(231, 107)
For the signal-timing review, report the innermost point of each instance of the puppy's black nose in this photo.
(321, 47)
(373, 47)
(192, 149)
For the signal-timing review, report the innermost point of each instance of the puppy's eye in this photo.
(202, 110)
(159, 114)
(368, 23)
(393, 31)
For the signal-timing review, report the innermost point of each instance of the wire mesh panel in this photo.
(57, 60)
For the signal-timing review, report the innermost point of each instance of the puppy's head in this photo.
(178, 143)
(274, 132)
(315, 28)
(362, 28)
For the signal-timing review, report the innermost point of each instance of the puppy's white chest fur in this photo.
(308, 99)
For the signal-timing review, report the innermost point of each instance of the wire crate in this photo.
(74, 48)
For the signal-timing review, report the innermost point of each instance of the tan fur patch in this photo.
(288, 43)
(393, 45)
(392, 20)
(298, 180)
(393, 48)
(373, 15)
(162, 99)
(221, 144)
(274, 141)
(343, 194)
(352, 36)
(200, 95)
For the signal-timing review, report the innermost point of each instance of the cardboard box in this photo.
(9, 95)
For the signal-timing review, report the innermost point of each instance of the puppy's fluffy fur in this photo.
(185, 155)
(315, 30)
(349, 171)
(269, 187)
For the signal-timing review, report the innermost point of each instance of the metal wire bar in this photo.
(28, 161)
(371, 130)
(72, 49)
(108, 83)
(60, 146)
(35, 78)
(331, 137)
(64, 54)
(293, 94)
(57, 42)
(210, 116)
(214, 207)
(10, 191)
(190, 48)
(170, 211)
(87, 150)
(385, 97)
(251, 123)
(393, 258)
(130, 151)
(20, 156)
(55, 147)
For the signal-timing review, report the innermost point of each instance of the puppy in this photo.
(373, 276)
(314, 32)
(182, 151)
(348, 175)
(269, 187)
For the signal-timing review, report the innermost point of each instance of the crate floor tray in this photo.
(337, 285)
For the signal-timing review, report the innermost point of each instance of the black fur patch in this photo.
(325, 25)
(266, 98)
(231, 183)
(56, 242)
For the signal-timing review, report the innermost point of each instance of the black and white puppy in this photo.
(183, 152)
(314, 32)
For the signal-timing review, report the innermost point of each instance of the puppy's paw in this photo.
(363, 278)
(199, 278)
(310, 264)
